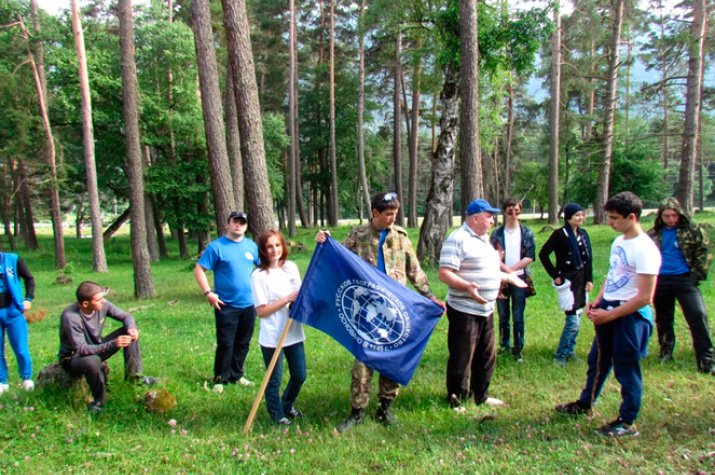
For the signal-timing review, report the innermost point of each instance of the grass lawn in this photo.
(49, 431)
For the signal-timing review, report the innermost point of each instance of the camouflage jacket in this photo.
(401, 262)
(693, 241)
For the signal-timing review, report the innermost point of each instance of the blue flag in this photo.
(381, 322)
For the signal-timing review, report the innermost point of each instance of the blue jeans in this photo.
(619, 345)
(234, 329)
(517, 296)
(567, 343)
(15, 325)
(295, 356)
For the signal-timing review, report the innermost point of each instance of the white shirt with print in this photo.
(630, 257)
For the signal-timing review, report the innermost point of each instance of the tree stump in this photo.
(53, 376)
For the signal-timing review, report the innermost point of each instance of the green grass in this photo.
(49, 431)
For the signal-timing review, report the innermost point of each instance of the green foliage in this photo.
(276, 141)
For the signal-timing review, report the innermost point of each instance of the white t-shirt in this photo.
(630, 257)
(512, 251)
(268, 287)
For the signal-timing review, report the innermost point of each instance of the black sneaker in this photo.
(145, 380)
(665, 358)
(293, 413)
(94, 408)
(618, 428)
(573, 408)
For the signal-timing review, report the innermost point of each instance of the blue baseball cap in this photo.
(477, 206)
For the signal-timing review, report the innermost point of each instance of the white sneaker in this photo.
(4, 387)
(244, 382)
(28, 385)
(494, 402)
(218, 388)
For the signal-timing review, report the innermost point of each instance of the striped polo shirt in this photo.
(475, 260)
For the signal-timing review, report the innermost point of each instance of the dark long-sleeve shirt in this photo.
(80, 334)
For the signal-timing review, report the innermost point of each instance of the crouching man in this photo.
(83, 348)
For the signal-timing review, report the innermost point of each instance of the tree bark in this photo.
(27, 225)
(397, 132)
(509, 136)
(143, 282)
(219, 168)
(233, 142)
(361, 111)
(152, 245)
(604, 169)
(116, 225)
(415, 137)
(469, 147)
(292, 116)
(333, 212)
(555, 120)
(693, 97)
(438, 210)
(98, 254)
(260, 207)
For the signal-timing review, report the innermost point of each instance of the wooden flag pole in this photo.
(266, 378)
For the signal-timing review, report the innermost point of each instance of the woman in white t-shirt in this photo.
(275, 284)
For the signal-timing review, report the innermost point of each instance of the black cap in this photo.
(238, 215)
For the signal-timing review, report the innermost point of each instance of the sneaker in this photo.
(573, 358)
(573, 408)
(28, 385)
(244, 382)
(494, 402)
(217, 388)
(145, 380)
(518, 357)
(4, 387)
(294, 413)
(94, 408)
(284, 421)
(560, 361)
(617, 428)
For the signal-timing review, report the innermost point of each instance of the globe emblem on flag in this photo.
(372, 315)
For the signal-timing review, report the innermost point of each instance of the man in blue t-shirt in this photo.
(686, 260)
(232, 258)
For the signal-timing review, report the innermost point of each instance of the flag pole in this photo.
(266, 378)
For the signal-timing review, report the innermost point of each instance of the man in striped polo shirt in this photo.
(469, 265)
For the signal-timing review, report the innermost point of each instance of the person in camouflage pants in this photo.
(387, 247)
(686, 260)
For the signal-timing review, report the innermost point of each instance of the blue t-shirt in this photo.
(232, 263)
(673, 261)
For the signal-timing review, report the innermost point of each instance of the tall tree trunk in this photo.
(397, 132)
(333, 203)
(27, 225)
(98, 254)
(49, 152)
(415, 136)
(693, 97)
(260, 205)
(554, 120)
(143, 283)
(6, 209)
(509, 138)
(233, 141)
(292, 116)
(152, 245)
(591, 92)
(219, 168)
(604, 169)
(469, 148)
(438, 210)
(361, 111)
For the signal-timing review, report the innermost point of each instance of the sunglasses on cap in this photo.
(389, 197)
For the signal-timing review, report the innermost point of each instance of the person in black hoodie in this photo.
(572, 275)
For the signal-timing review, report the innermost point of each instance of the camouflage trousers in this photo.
(361, 385)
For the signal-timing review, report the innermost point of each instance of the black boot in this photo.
(384, 414)
(705, 365)
(353, 419)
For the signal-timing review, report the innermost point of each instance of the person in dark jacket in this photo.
(685, 249)
(515, 243)
(13, 305)
(572, 275)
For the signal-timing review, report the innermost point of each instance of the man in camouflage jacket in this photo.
(686, 259)
(386, 246)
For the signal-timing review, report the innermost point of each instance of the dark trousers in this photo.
(618, 345)
(91, 366)
(517, 297)
(684, 289)
(234, 330)
(472, 349)
(295, 356)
